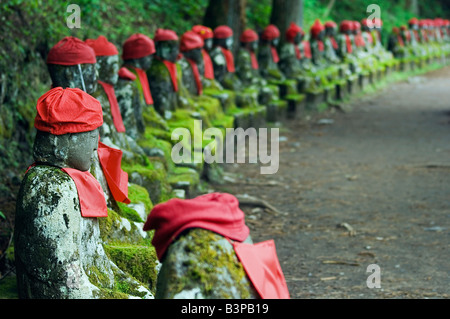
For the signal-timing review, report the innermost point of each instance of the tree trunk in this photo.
(284, 12)
(227, 12)
(414, 7)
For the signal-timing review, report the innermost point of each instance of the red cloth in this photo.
(229, 59)
(359, 40)
(102, 47)
(270, 32)
(124, 73)
(90, 193)
(217, 212)
(209, 69)
(249, 36)
(165, 35)
(172, 68)
(254, 59)
(413, 21)
(345, 25)
(223, 32)
(330, 24)
(142, 75)
(190, 41)
(203, 31)
(316, 28)
(400, 40)
(71, 51)
(197, 78)
(115, 111)
(348, 42)
(137, 46)
(334, 43)
(275, 57)
(110, 160)
(261, 264)
(61, 111)
(292, 31)
(298, 54)
(307, 49)
(320, 46)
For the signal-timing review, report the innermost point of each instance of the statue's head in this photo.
(271, 35)
(72, 64)
(206, 34)
(67, 123)
(138, 51)
(346, 27)
(249, 40)
(107, 59)
(166, 44)
(413, 23)
(330, 28)
(294, 34)
(317, 30)
(223, 37)
(191, 45)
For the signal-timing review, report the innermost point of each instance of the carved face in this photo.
(167, 50)
(81, 76)
(82, 147)
(298, 38)
(74, 150)
(208, 44)
(330, 32)
(108, 68)
(275, 41)
(195, 55)
(226, 43)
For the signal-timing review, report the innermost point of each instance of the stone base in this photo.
(352, 86)
(341, 90)
(314, 99)
(296, 105)
(276, 110)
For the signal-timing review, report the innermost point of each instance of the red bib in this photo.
(298, 54)
(261, 264)
(348, 41)
(115, 111)
(229, 59)
(307, 48)
(90, 193)
(172, 68)
(254, 60)
(275, 57)
(198, 81)
(142, 75)
(320, 46)
(209, 69)
(110, 160)
(334, 43)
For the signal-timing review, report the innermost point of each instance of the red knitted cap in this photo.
(345, 25)
(316, 28)
(222, 32)
(137, 46)
(203, 31)
(249, 36)
(270, 32)
(330, 24)
(102, 47)
(190, 40)
(71, 51)
(61, 111)
(217, 212)
(165, 35)
(292, 31)
(413, 21)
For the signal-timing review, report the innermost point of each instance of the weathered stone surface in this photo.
(60, 254)
(202, 265)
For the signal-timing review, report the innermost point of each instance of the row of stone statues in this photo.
(102, 154)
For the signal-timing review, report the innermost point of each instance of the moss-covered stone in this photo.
(203, 261)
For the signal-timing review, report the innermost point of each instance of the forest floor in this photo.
(368, 186)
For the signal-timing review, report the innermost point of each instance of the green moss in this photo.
(210, 258)
(137, 260)
(8, 288)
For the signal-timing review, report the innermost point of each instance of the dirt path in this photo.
(373, 187)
